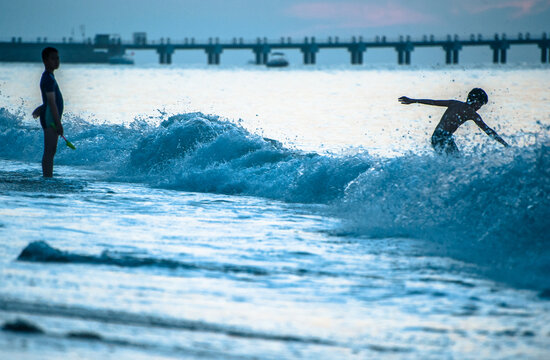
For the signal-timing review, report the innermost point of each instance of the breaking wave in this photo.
(491, 209)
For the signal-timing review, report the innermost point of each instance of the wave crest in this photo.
(491, 210)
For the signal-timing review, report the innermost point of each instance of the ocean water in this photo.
(241, 212)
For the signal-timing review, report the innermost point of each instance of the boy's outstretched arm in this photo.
(405, 100)
(492, 133)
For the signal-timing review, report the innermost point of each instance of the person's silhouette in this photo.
(51, 110)
(457, 113)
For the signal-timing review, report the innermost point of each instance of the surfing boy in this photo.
(457, 113)
(51, 109)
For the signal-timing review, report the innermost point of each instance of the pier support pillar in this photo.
(500, 47)
(495, 56)
(165, 54)
(357, 58)
(503, 56)
(308, 58)
(403, 57)
(404, 50)
(455, 56)
(543, 55)
(309, 49)
(544, 45)
(452, 50)
(261, 52)
(499, 54)
(259, 58)
(357, 53)
(213, 53)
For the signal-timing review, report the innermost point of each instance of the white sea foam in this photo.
(495, 202)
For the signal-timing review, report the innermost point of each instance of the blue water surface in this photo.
(196, 238)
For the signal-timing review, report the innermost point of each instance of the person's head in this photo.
(50, 58)
(477, 98)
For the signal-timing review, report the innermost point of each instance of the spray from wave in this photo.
(491, 209)
(192, 152)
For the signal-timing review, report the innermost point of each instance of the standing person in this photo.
(457, 113)
(51, 110)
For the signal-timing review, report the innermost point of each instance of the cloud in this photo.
(359, 15)
(519, 8)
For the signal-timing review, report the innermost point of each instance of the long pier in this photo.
(105, 47)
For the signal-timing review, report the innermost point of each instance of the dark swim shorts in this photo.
(443, 143)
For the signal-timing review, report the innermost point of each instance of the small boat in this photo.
(277, 60)
(121, 60)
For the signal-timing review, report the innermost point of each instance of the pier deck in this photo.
(105, 47)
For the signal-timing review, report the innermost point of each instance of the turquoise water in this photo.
(243, 213)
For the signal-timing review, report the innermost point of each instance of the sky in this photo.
(273, 19)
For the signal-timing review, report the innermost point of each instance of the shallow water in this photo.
(313, 231)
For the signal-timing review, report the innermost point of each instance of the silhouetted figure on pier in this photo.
(51, 110)
(457, 113)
